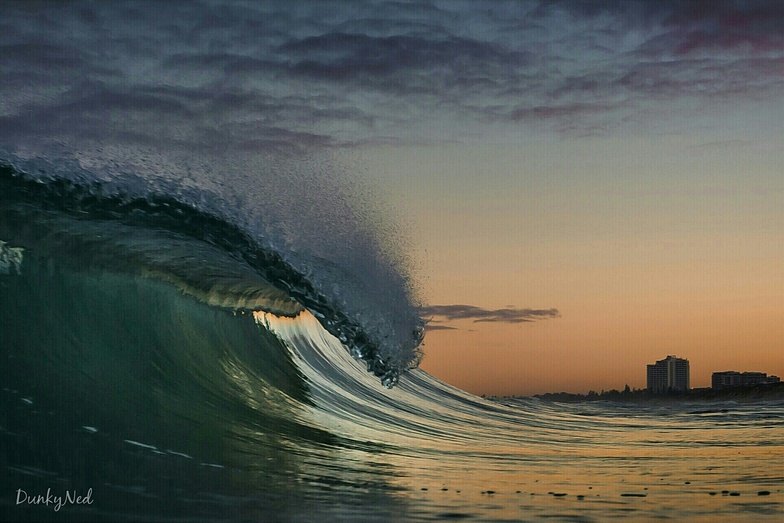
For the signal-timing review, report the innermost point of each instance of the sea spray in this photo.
(98, 224)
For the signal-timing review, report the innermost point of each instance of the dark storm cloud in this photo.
(716, 29)
(224, 63)
(556, 111)
(478, 314)
(44, 55)
(763, 17)
(343, 55)
(205, 74)
(431, 71)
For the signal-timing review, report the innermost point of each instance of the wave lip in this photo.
(199, 252)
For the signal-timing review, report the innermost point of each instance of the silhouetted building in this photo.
(732, 378)
(671, 373)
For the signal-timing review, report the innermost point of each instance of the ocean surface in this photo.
(162, 364)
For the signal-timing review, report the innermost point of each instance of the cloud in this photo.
(716, 31)
(430, 69)
(432, 327)
(344, 54)
(325, 75)
(480, 315)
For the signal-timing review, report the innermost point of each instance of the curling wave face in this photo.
(84, 223)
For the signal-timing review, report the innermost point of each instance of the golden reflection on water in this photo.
(638, 475)
(617, 478)
(446, 455)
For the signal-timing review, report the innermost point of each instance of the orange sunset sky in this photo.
(645, 246)
(600, 188)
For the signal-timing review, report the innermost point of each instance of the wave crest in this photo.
(93, 224)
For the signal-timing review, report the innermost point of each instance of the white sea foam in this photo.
(142, 445)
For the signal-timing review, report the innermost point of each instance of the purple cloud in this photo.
(200, 75)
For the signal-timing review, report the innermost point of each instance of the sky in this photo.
(577, 188)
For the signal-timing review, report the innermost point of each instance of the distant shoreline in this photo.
(744, 394)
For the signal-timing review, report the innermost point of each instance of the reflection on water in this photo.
(170, 408)
(453, 455)
(641, 472)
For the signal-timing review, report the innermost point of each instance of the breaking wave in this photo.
(91, 225)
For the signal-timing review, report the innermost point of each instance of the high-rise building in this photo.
(671, 373)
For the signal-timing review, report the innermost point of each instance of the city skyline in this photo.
(661, 379)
